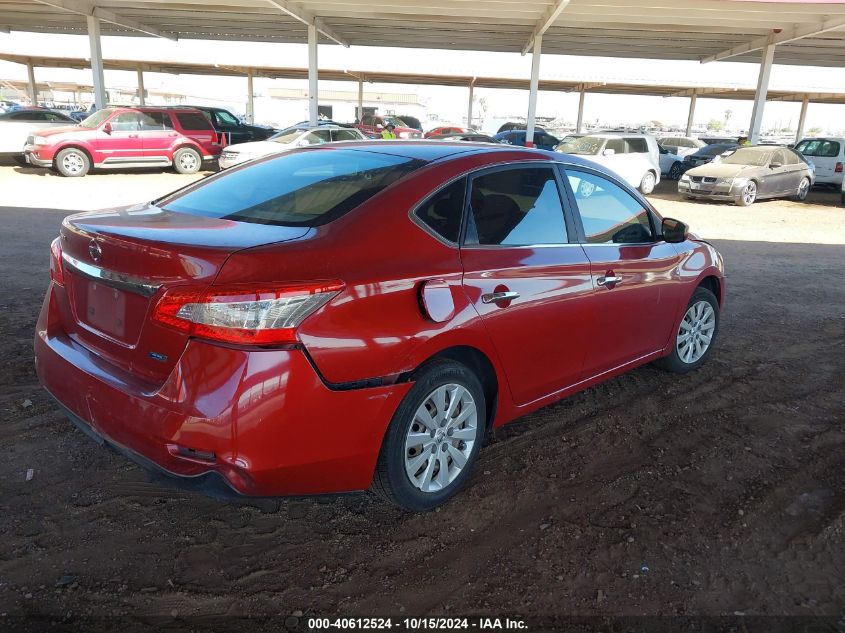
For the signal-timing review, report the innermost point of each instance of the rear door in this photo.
(529, 283)
(157, 133)
(635, 283)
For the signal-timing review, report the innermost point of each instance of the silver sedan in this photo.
(749, 174)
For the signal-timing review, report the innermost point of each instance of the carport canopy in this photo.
(785, 32)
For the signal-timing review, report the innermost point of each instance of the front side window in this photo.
(317, 137)
(303, 188)
(517, 207)
(226, 118)
(617, 145)
(346, 135)
(610, 214)
(442, 212)
(636, 146)
(126, 122)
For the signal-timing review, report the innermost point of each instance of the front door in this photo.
(634, 274)
(529, 283)
(123, 143)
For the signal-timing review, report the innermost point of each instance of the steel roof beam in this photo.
(545, 22)
(309, 19)
(782, 37)
(82, 7)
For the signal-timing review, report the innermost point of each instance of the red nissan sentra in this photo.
(361, 315)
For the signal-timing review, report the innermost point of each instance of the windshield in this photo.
(96, 119)
(285, 136)
(396, 121)
(820, 148)
(301, 188)
(748, 157)
(586, 145)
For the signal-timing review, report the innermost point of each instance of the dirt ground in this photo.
(717, 493)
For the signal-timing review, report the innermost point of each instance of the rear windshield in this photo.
(304, 188)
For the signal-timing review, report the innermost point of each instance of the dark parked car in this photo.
(749, 174)
(411, 121)
(230, 126)
(542, 140)
(510, 125)
(341, 318)
(707, 154)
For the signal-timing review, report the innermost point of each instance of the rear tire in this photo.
(72, 162)
(187, 160)
(647, 183)
(433, 439)
(695, 335)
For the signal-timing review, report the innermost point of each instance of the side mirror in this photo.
(775, 165)
(674, 231)
(107, 127)
(608, 152)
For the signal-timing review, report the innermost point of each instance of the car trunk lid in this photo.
(118, 263)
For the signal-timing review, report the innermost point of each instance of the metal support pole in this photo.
(802, 118)
(96, 61)
(532, 92)
(693, 98)
(579, 124)
(32, 87)
(250, 99)
(760, 95)
(469, 105)
(312, 74)
(360, 100)
(142, 97)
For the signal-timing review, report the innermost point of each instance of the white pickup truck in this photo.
(17, 125)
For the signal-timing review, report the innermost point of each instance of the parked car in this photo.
(232, 128)
(372, 125)
(671, 164)
(542, 139)
(681, 145)
(510, 125)
(18, 125)
(116, 138)
(707, 154)
(446, 129)
(410, 121)
(719, 140)
(569, 138)
(828, 156)
(318, 321)
(287, 140)
(473, 137)
(750, 174)
(634, 157)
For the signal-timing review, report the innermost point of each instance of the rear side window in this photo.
(304, 188)
(156, 121)
(193, 121)
(442, 212)
(610, 214)
(820, 148)
(516, 207)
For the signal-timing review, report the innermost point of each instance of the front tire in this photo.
(433, 439)
(72, 163)
(748, 194)
(647, 183)
(187, 160)
(675, 171)
(695, 334)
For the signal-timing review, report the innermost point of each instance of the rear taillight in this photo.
(838, 168)
(260, 315)
(56, 271)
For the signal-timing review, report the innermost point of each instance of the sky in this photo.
(450, 103)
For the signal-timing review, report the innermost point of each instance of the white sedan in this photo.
(17, 125)
(286, 140)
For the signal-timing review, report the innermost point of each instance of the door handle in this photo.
(133, 136)
(495, 297)
(608, 281)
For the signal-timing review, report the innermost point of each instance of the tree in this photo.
(728, 114)
(715, 124)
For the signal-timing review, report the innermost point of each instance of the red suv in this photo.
(113, 138)
(362, 315)
(372, 125)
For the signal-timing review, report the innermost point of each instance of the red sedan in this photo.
(446, 129)
(360, 316)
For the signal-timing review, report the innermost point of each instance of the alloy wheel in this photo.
(647, 184)
(696, 332)
(803, 189)
(188, 160)
(749, 193)
(441, 438)
(73, 162)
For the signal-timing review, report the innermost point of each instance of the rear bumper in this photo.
(261, 420)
